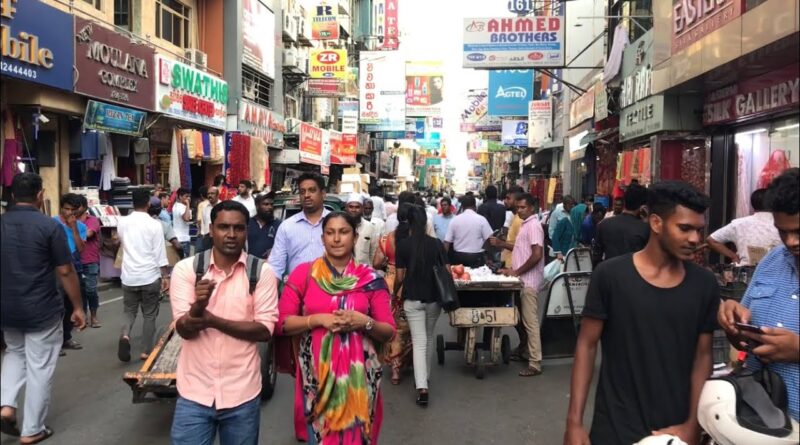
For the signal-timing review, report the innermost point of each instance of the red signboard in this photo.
(310, 144)
(343, 150)
(765, 94)
(325, 88)
(390, 33)
(694, 19)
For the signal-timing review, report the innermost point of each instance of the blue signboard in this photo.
(114, 119)
(509, 92)
(37, 44)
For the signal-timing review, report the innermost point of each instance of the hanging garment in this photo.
(186, 171)
(174, 163)
(121, 144)
(775, 166)
(197, 136)
(551, 191)
(89, 145)
(107, 174)
(614, 62)
(743, 189)
(258, 149)
(206, 145)
(238, 158)
(103, 144)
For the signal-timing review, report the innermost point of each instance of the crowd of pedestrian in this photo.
(349, 291)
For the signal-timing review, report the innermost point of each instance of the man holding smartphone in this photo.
(771, 302)
(655, 312)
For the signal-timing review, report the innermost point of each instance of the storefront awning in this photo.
(589, 137)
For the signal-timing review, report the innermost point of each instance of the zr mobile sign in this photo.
(530, 42)
(328, 63)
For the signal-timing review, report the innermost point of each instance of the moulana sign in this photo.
(529, 42)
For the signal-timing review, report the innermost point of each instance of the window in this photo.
(122, 14)
(256, 86)
(95, 3)
(172, 22)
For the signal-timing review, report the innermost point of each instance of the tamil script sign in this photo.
(512, 42)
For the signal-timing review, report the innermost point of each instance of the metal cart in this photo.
(492, 306)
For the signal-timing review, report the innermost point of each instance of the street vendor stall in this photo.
(487, 300)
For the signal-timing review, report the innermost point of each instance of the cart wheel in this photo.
(269, 373)
(480, 370)
(505, 349)
(440, 349)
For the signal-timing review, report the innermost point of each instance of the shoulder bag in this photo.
(445, 286)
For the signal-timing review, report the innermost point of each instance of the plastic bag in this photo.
(552, 270)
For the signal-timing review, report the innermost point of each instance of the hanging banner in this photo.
(509, 92)
(114, 119)
(110, 66)
(325, 22)
(540, 122)
(258, 37)
(187, 93)
(310, 144)
(515, 133)
(529, 42)
(390, 33)
(424, 88)
(477, 104)
(328, 64)
(382, 91)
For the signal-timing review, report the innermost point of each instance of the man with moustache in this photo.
(262, 229)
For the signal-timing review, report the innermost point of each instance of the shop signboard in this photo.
(113, 67)
(257, 120)
(347, 108)
(285, 157)
(489, 123)
(390, 31)
(325, 22)
(600, 101)
(326, 152)
(328, 64)
(324, 88)
(769, 93)
(509, 92)
(310, 144)
(515, 133)
(258, 37)
(514, 42)
(114, 119)
(347, 151)
(540, 122)
(189, 94)
(581, 109)
(349, 125)
(476, 106)
(694, 19)
(37, 43)
(382, 91)
(424, 88)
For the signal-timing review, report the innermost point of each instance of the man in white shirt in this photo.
(204, 238)
(756, 231)
(181, 217)
(245, 197)
(377, 203)
(467, 235)
(144, 273)
(368, 235)
(370, 215)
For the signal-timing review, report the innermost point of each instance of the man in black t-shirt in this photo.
(623, 233)
(655, 312)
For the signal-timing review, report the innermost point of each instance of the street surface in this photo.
(92, 405)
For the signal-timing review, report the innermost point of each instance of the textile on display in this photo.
(238, 158)
(259, 164)
(174, 165)
(551, 191)
(141, 151)
(121, 145)
(12, 149)
(108, 172)
(775, 166)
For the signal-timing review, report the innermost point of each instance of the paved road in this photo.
(92, 405)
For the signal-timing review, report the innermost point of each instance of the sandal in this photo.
(8, 425)
(45, 434)
(530, 372)
(395, 376)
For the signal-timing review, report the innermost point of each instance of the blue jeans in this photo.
(196, 424)
(89, 287)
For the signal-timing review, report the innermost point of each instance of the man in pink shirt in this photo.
(219, 377)
(527, 264)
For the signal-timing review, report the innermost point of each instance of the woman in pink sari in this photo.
(341, 311)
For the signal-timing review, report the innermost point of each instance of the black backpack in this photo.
(253, 266)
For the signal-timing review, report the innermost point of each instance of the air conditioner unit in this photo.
(196, 57)
(302, 62)
(293, 125)
(290, 57)
(290, 25)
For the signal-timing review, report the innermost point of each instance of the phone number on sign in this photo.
(18, 70)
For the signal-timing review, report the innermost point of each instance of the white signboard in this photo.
(382, 90)
(350, 125)
(514, 42)
(540, 122)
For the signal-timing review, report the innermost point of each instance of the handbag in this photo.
(445, 286)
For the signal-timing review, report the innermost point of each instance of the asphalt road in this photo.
(92, 405)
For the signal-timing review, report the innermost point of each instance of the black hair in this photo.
(663, 197)
(491, 192)
(588, 198)
(424, 249)
(339, 214)
(445, 199)
(598, 213)
(528, 198)
(70, 199)
(83, 201)
(512, 191)
(419, 201)
(25, 187)
(230, 206)
(183, 191)
(260, 198)
(402, 219)
(154, 210)
(246, 182)
(758, 200)
(141, 198)
(203, 190)
(635, 197)
(312, 177)
(219, 180)
(468, 202)
(783, 193)
(163, 195)
(406, 197)
(568, 199)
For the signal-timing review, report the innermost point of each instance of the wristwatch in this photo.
(370, 324)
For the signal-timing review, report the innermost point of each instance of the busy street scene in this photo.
(353, 222)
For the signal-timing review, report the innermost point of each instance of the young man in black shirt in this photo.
(623, 233)
(655, 312)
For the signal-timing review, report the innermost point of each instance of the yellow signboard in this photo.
(328, 64)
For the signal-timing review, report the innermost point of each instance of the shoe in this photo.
(96, 324)
(8, 425)
(395, 376)
(72, 344)
(124, 349)
(62, 353)
(422, 398)
(530, 372)
(45, 434)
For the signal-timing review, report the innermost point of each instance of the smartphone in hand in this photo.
(749, 328)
